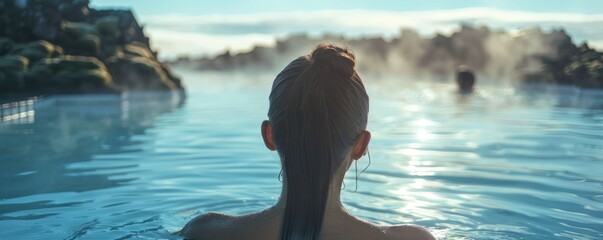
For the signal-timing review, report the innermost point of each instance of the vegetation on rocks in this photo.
(63, 46)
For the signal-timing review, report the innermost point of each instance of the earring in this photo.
(369, 163)
(356, 171)
(356, 168)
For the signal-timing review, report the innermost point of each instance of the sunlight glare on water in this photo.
(502, 163)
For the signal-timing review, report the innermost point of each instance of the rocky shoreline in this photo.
(65, 47)
(528, 56)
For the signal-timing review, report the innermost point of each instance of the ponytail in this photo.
(318, 107)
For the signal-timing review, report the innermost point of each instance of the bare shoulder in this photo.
(210, 225)
(403, 232)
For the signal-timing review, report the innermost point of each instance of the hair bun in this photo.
(334, 58)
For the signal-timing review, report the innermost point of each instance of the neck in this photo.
(333, 206)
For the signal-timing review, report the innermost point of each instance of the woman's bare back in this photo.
(266, 225)
(317, 123)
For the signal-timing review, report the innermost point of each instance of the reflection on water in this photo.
(498, 164)
(45, 140)
(72, 129)
(493, 165)
(17, 112)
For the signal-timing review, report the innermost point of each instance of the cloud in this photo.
(172, 44)
(210, 34)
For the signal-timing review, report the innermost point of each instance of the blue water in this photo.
(502, 163)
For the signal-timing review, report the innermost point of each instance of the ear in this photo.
(267, 135)
(361, 145)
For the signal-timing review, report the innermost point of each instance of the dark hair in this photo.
(318, 109)
(465, 78)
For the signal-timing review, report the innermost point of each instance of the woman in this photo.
(317, 124)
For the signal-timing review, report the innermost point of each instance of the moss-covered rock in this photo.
(83, 80)
(133, 66)
(110, 51)
(35, 50)
(11, 69)
(73, 10)
(585, 69)
(68, 62)
(77, 29)
(138, 49)
(577, 70)
(135, 72)
(43, 44)
(595, 69)
(70, 74)
(108, 28)
(81, 39)
(10, 82)
(89, 43)
(581, 67)
(6, 44)
(13, 63)
(58, 51)
(173, 77)
(11, 72)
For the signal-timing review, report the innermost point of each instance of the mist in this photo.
(212, 34)
(492, 54)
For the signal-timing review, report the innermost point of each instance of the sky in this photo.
(195, 7)
(201, 27)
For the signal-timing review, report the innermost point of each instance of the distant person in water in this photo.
(317, 123)
(465, 79)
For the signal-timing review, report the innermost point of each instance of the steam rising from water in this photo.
(492, 54)
(213, 34)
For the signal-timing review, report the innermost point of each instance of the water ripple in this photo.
(495, 165)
